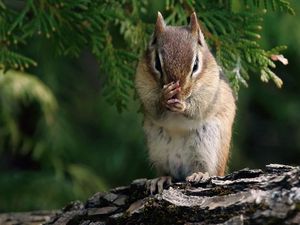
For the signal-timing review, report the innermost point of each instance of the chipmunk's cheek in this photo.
(184, 95)
(189, 98)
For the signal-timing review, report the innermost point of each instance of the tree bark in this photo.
(246, 196)
(27, 218)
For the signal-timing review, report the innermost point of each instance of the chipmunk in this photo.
(189, 107)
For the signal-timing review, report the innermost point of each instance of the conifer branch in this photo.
(116, 34)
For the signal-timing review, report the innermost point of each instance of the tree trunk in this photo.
(247, 196)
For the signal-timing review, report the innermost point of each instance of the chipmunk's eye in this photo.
(195, 67)
(157, 63)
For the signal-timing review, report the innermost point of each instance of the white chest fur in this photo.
(180, 153)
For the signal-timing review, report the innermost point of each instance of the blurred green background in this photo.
(95, 148)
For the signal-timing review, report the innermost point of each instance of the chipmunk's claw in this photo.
(170, 90)
(156, 185)
(197, 177)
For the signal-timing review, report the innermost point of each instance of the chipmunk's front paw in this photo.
(169, 91)
(197, 177)
(175, 105)
(169, 98)
(157, 184)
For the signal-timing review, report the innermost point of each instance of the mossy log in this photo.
(269, 196)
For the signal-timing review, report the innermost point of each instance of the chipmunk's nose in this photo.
(171, 78)
(167, 79)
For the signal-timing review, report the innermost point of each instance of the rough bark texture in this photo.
(247, 196)
(27, 218)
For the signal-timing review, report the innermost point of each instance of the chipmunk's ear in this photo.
(195, 28)
(160, 24)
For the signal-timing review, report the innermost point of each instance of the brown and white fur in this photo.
(188, 109)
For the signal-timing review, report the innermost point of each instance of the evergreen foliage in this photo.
(232, 31)
(17, 89)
